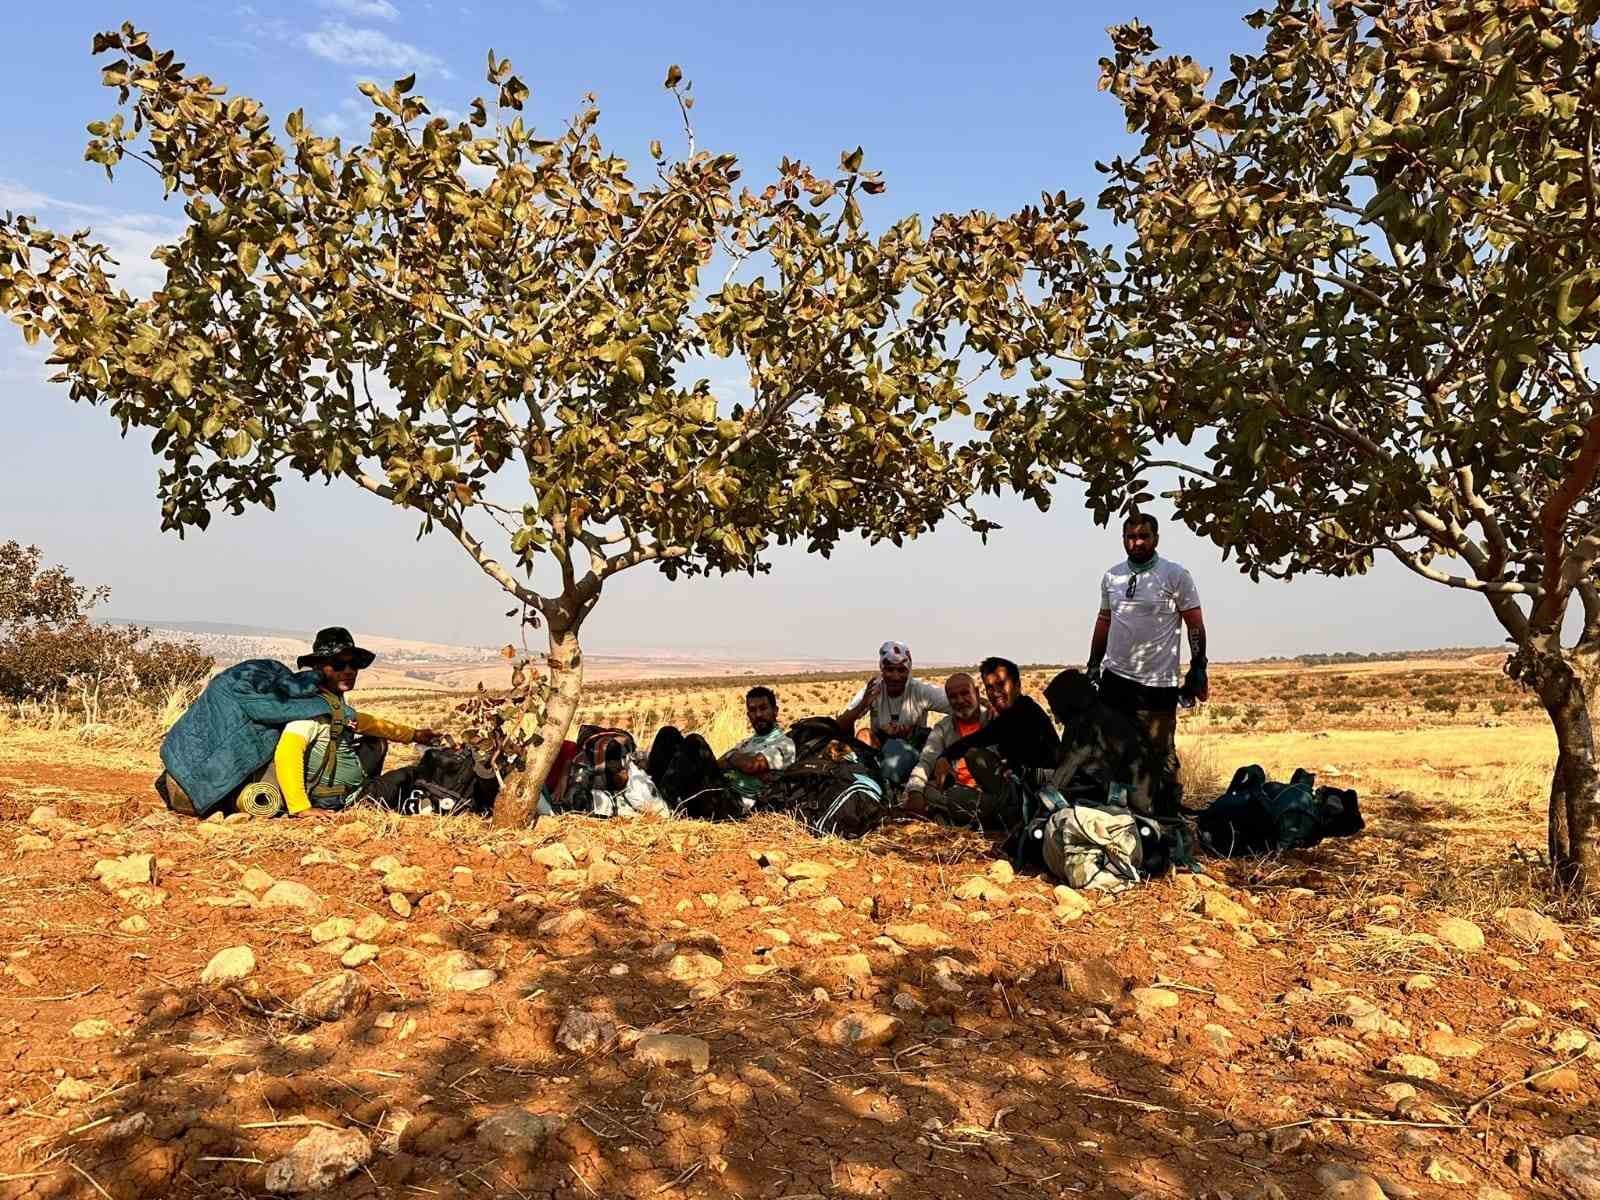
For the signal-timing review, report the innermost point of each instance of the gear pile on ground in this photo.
(369, 1006)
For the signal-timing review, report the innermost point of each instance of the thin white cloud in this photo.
(378, 10)
(355, 47)
(129, 236)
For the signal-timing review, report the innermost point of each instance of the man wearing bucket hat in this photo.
(899, 704)
(327, 762)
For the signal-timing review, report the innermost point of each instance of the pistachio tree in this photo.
(1355, 310)
(504, 330)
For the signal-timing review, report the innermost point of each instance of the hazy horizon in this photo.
(963, 114)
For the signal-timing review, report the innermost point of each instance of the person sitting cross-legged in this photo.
(946, 790)
(698, 784)
(1018, 743)
(328, 763)
(899, 705)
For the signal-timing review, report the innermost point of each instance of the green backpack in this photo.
(1258, 816)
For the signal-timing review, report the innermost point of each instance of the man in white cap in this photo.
(899, 704)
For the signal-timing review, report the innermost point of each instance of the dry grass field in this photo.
(672, 1009)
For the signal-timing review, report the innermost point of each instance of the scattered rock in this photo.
(1412, 1066)
(1440, 1044)
(256, 880)
(919, 936)
(318, 1161)
(331, 929)
(1340, 1182)
(806, 869)
(1097, 980)
(565, 923)
(690, 968)
(384, 863)
(981, 887)
(1562, 1080)
(950, 974)
(1573, 1163)
(852, 969)
(1397, 1094)
(75, 1091)
(412, 882)
(286, 893)
(93, 1028)
(134, 924)
(229, 966)
(1365, 1017)
(806, 889)
(517, 1132)
(370, 928)
(555, 856)
(1071, 903)
(472, 981)
(1529, 927)
(399, 905)
(131, 870)
(32, 843)
(1220, 908)
(1001, 871)
(1333, 1052)
(867, 1030)
(828, 905)
(582, 1031)
(337, 996)
(1459, 933)
(1154, 998)
(1447, 1169)
(1418, 983)
(671, 1049)
(359, 955)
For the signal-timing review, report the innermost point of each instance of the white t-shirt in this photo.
(910, 707)
(638, 797)
(1146, 631)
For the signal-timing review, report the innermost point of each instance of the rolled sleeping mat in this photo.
(261, 798)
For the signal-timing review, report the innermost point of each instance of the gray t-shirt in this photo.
(1146, 631)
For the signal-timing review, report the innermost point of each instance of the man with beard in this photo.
(1018, 746)
(695, 781)
(899, 705)
(1145, 603)
(941, 788)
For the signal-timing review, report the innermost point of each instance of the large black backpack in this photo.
(835, 784)
(446, 781)
(1259, 816)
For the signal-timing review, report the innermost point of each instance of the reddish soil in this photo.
(1030, 1068)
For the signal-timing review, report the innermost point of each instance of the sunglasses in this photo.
(343, 664)
(1133, 586)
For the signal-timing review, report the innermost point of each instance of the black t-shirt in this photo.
(1024, 735)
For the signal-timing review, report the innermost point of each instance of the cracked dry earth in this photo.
(360, 1006)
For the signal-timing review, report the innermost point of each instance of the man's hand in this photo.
(427, 737)
(899, 731)
(915, 802)
(874, 686)
(941, 772)
(1196, 685)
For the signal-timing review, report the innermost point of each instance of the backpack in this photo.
(447, 781)
(834, 797)
(1259, 816)
(226, 738)
(1093, 846)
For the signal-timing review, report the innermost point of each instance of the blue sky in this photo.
(960, 107)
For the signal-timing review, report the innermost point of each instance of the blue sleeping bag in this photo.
(232, 729)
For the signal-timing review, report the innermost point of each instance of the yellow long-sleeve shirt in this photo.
(289, 759)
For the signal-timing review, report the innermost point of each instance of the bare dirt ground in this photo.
(895, 1017)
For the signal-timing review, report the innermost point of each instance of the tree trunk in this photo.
(520, 795)
(1575, 783)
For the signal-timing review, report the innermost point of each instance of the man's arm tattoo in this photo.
(1197, 643)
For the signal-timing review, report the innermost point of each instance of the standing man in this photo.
(899, 704)
(1145, 603)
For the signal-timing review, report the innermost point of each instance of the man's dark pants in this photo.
(1155, 711)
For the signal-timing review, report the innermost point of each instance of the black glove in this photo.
(1092, 671)
(1194, 682)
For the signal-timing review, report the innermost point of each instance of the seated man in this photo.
(1018, 743)
(698, 784)
(899, 705)
(328, 762)
(943, 789)
(1105, 755)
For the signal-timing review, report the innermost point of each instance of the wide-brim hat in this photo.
(332, 642)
